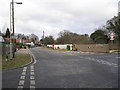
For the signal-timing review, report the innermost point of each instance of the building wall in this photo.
(61, 46)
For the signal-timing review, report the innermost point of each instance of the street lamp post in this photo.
(10, 34)
(12, 25)
(119, 24)
(119, 7)
(119, 10)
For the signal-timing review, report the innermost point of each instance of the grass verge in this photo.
(19, 60)
(114, 51)
(55, 49)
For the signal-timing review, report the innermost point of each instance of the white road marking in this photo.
(22, 77)
(23, 73)
(20, 87)
(101, 61)
(118, 57)
(32, 82)
(32, 87)
(32, 67)
(24, 68)
(21, 82)
(32, 77)
(32, 73)
(32, 70)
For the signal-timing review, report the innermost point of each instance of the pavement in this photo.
(23, 51)
(59, 69)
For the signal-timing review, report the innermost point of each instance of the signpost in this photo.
(112, 36)
(112, 39)
(53, 45)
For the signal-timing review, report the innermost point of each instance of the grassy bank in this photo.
(19, 60)
(55, 49)
(114, 51)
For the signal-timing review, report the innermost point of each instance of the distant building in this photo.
(60, 46)
(19, 41)
(34, 37)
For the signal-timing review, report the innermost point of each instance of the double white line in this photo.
(32, 78)
(22, 79)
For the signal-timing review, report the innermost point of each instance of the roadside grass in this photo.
(114, 51)
(19, 60)
(55, 49)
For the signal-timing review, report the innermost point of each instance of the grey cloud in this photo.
(52, 16)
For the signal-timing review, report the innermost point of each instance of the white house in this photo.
(60, 46)
(31, 44)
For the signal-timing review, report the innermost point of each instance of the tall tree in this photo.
(66, 37)
(99, 36)
(113, 25)
(48, 40)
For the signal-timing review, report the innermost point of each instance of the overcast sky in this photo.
(53, 16)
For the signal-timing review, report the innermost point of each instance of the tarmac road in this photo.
(59, 69)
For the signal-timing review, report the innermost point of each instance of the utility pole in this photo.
(13, 24)
(119, 7)
(12, 53)
(43, 34)
(43, 37)
(119, 25)
(13, 16)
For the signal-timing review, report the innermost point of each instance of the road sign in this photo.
(112, 36)
(53, 45)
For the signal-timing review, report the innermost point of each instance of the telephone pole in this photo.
(13, 17)
(119, 24)
(119, 10)
(12, 52)
(43, 38)
(43, 35)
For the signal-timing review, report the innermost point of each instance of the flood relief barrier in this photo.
(100, 48)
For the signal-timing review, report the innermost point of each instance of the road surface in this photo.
(59, 69)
